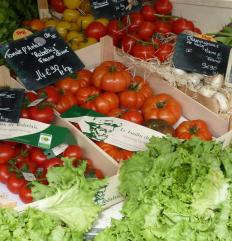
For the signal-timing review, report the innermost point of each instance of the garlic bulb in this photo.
(215, 81)
(207, 91)
(222, 101)
(194, 79)
(178, 71)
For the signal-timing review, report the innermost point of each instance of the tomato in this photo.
(14, 183)
(4, 173)
(58, 5)
(27, 166)
(24, 114)
(116, 29)
(72, 4)
(115, 152)
(197, 30)
(6, 153)
(37, 156)
(106, 102)
(164, 52)
(136, 94)
(37, 25)
(163, 27)
(30, 97)
(111, 76)
(128, 42)
(133, 21)
(25, 194)
(52, 162)
(181, 24)
(130, 115)
(104, 21)
(43, 114)
(163, 7)
(193, 128)
(84, 21)
(86, 94)
(87, 42)
(51, 94)
(148, 13)
(98, 173)
(162, 106)
(95, 30)
(146, 30)
(75, 81)
(73, 151)
(143, 51)
(65, 102)
(70, 15)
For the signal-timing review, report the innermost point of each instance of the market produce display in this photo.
(175, 190)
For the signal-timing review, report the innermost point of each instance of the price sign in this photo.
(41, 59)
(10, 104)
(200, 56)
(114, 8)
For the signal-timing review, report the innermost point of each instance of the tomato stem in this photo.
(161, 105)
(193, 130)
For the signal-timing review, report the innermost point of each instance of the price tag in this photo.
(200, 55)
(114, 8)
(41, 58)
(21, 33)
(10, 104)
(29, 176)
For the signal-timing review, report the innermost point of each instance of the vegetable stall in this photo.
(113, 126)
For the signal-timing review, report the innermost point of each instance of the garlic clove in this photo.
(207, 91)
(222, 100)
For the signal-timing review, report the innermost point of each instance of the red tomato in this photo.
(53, 162)
(27, 166)
(148, 13)
(73, 151)
(197, 30)
(14, 183)
(43, 114)
(193, 128)
(164, 52)
(133, 21)
(146, 30)
(30, 97)
(144, 52)
(65, 102)
(37, 156)
(163, 7)
(51, 93)
(98, 173)
(163, 27)
(86, 94)
(136, 94)
(156, 42)
(162, 106)
(116, 30)
(6, 153)
(181, 24)
(4, 173)
(133, 116)
(58, 5)
(127, 43)
(25, 194)
(95, 30)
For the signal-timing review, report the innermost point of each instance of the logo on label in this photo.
(45, 140)
(100, 129)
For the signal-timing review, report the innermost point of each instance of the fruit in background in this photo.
(133, 21)
(84, 21)
(51, 22)
(37, 25)
(62, 28)
(146, 30)
(58, 5)
(163, 7)
(111, 76)
(143, 51)
(72, 4)
(181, 24)
(116, 29)
(162, 106)
(41, 113)
(104, 21)
(148, 13)
(163, 27)
(164, 51)
(70, 15)
(95, 30)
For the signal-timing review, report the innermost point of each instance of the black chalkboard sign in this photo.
(41, 59)
(10, 104)
(114, 8)
(200, 56)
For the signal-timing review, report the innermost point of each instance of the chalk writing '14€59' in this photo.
(51, 70)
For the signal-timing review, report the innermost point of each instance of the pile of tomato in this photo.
(147, 34)
(112, 90)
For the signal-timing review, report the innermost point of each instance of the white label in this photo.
(29, 176)
(59, 149)
(118, 132)
(36, 102)
(23, 128)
